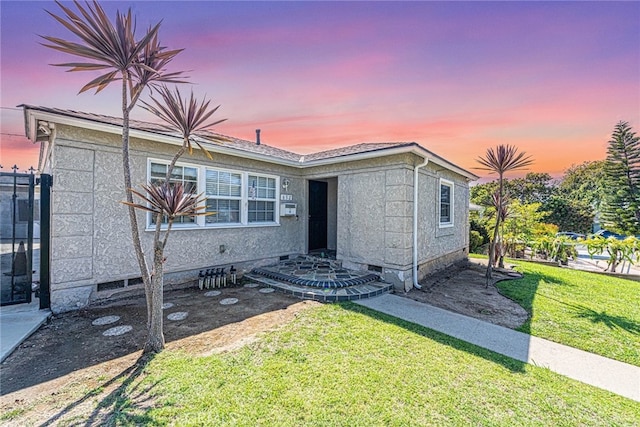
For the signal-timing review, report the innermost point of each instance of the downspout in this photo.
(415, 222)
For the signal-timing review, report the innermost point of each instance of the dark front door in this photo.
(317, 215)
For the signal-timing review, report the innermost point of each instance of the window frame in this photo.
(200, 222)
(256, 198)
(176, 224)
(207, 197)
(446, 183)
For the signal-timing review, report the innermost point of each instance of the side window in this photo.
(446, 203)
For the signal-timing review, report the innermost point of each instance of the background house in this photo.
(269, 204)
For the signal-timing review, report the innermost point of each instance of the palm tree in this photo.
(138, 64)
(168, 199)
(502, 159)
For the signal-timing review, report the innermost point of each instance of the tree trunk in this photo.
(155, 337)
(496, 230)
(133, 219)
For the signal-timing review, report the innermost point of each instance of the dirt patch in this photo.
(462, 289)
(70, 356)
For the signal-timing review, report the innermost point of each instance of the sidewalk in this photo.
(617, 377)
(17, 323)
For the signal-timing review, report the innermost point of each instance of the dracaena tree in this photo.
(501, 160)
(169, 200)
(138, 64)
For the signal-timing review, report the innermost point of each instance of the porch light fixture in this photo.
(285, 184)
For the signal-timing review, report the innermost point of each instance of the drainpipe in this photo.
(415, 222)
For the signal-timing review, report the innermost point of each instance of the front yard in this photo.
(334, 364)
(589, 311)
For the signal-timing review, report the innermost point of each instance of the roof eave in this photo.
(35, 114)
(413, 148)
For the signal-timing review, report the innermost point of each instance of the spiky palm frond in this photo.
(110, 46)
(503, 159)
(187, 116)
(501, 204)
(152, 67)
(169, 200)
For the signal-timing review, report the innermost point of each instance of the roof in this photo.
(353, 149)
(217, 142)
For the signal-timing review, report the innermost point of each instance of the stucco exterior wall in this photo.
(440, 246)
(375, 217)
(370, 222)
(91, 241)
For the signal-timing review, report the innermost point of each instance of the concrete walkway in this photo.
(17, 323)
(617, 377)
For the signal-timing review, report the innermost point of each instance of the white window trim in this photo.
(451, 185)
(242, 222)
(244, 201)
(276, 204)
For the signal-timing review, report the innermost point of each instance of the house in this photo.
(269, 204)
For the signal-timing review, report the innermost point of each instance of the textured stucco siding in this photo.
(370, 221)
(91, 240)
(438, 246)
(72, 202)
(375, 217)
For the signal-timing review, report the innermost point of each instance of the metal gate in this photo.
(24, 238)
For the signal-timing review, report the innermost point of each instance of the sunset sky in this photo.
(552, 78)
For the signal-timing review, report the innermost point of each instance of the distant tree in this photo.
(586, 182)
(521, 225)
(621, 208)
(535, 187)
(501, 160)
(569, 214)
(481, 193)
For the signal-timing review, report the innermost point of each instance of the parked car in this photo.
(571, 235)
(606, 234)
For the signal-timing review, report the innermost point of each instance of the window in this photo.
(186, 175)
(224, 194)
(232, 198)
(262, 199)
(446, 203)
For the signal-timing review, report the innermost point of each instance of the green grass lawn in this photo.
(344, 365)
(589, 311)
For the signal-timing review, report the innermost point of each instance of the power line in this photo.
(11, 108)
(10, 134)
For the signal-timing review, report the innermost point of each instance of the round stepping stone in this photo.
(179, 315)
(117, 330)
(251, 285)
(266, 290)
(212, 293)
(229, 301)
(106, 320)
(167, 305)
